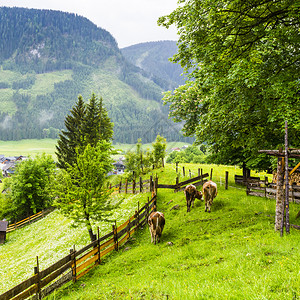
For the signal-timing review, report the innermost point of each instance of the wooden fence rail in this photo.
(262, 188)
(78, 262)
(179, 186)
(136, 186)
(28, 220)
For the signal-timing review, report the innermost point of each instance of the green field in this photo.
(34, 146)
(231, 253)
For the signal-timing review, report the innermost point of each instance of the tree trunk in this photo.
(279, 195)
(89, 228)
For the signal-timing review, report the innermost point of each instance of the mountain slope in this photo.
(48, 58)
(153, 57)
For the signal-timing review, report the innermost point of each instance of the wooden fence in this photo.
(261, 188)
(179, 186)
(239, 179)
(28, 220)
(134, 187)
(78, 262)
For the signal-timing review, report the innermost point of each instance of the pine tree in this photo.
(71, 138)
(87, 124)
(98, 125)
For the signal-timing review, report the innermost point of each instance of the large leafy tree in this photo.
(88, 123)
(81, 189)
(29, 190)
(243, 60)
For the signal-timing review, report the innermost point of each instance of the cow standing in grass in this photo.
(156, 223)
(191, 193)
(209, 191)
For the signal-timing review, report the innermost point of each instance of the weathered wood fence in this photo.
(78, 262)
(261, 188)
(179, 186)
(240, 179)
(28, 220)
(134, 187)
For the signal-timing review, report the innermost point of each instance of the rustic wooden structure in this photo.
(282, 193)
(79, 262)
(3, 228)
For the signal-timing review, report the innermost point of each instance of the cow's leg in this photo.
(188, 204)
(192, 200)
(151, 233)
(155, 238)
(206, 204)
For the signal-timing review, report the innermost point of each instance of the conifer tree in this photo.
(88, 124)
(71, 138)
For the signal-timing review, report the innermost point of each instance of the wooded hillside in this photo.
(48, 58)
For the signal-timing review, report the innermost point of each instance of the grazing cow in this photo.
(191, 193)
(209, 191)
(156, 223)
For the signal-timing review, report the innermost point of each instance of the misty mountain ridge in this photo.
(48, 58)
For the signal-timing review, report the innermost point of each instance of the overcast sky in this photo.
(129, 21)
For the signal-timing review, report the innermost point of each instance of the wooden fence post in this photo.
(114, 228)
(137, 216)
(73, 257)
(141, 185)
(226, 180)
(151, 184)
(133, 186)
(120, 187)
(177, 167)
(38, 280)
(126, 185)
(183, 171)
(201, 176)
(198, 171)
(98, 245)
(190, 173)
(211, 171)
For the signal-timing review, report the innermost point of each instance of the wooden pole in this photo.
(98, 245)
(211, 171)
(38, 284)
(226, 180)
(287, 211)
(141, 185)
(183, 171)
(177, 167)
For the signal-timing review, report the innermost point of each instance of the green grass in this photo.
(28, 147)
(231, 253)
(51, 238)
(34, 146)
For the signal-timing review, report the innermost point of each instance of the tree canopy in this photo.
(242, 59)
(29, 190)
(81, 189)
(87, 123)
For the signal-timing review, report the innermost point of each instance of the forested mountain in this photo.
(48, 58)
(153, 57)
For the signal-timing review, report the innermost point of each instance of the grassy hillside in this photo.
(231, 253)
(51, 238)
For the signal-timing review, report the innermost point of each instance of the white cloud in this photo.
(130, 22)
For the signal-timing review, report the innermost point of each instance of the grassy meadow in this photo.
(231, 253)
(31, 147)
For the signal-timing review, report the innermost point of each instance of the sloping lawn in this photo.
(231, 253)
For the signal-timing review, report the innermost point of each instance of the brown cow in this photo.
(156, 223)
(191, 193)
(209, 191)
